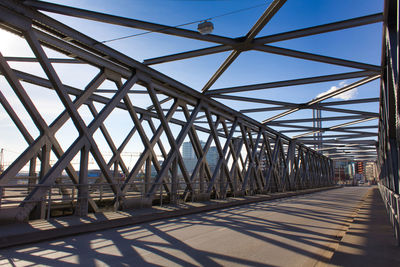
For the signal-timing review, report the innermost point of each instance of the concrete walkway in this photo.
(369, 240)
(341, 227)
(40, 230)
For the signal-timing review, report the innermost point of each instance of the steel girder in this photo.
(388, 145)
(389, 130)
(368, 72)
(251, 157)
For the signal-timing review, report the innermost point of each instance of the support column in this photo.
(201, 177)
(39, 212)
(174, 182)
(82, 204)
(147, 175)
(32, 174)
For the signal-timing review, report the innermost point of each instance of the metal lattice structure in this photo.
(251, 156)
(388, 146)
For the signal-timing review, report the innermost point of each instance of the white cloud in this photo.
(345, 96)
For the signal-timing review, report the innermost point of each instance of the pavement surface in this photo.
(369, 240)
(301, 230)
(12, 234)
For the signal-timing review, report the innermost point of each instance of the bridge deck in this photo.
(297, 231)
(369, 241)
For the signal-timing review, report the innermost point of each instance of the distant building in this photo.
(190, 159)
(344, 170)
(188, 151)
(189, 156)
(212, 157)
(153, 169)
(371, 172)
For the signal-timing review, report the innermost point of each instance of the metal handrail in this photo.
(392, 204)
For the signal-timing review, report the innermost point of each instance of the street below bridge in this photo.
(304, 230)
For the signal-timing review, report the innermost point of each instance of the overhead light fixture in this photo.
(205, 27)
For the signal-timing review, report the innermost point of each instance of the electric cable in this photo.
(184, 24)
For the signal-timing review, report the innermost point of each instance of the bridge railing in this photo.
(389, 120)
(392, 204)
(63, 199)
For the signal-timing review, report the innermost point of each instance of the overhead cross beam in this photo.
(335, 26)
(336, 126)
(335, 118)
(126, 22)
(285, 105)
(257, 27)
(324, 97)
(310, 80)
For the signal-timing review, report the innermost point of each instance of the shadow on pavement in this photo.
(370, 239)
(285, 232)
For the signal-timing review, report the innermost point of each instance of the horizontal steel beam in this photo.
(324, 28)
(330, 147)
(186, 55)
(336, 126)
(126, 22)
(361, 127)
(366, 150)
(317, 79)
(339, 110)
(324, 97)
(338, 118)
(350, 102)
(113, 91)
(252, 110)
(52, 60)
(256, 100)
(334, 141)
(338, 136)
(353, 154)
(339, 25)
(293, 128)
(318, 58)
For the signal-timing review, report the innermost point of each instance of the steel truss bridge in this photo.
(252, 157)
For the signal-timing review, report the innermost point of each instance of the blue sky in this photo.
(359, 44)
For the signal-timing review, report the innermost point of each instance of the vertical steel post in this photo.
(32, 174)
(82, 203)
(147, 175)
(40, 210)
(174, 182)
